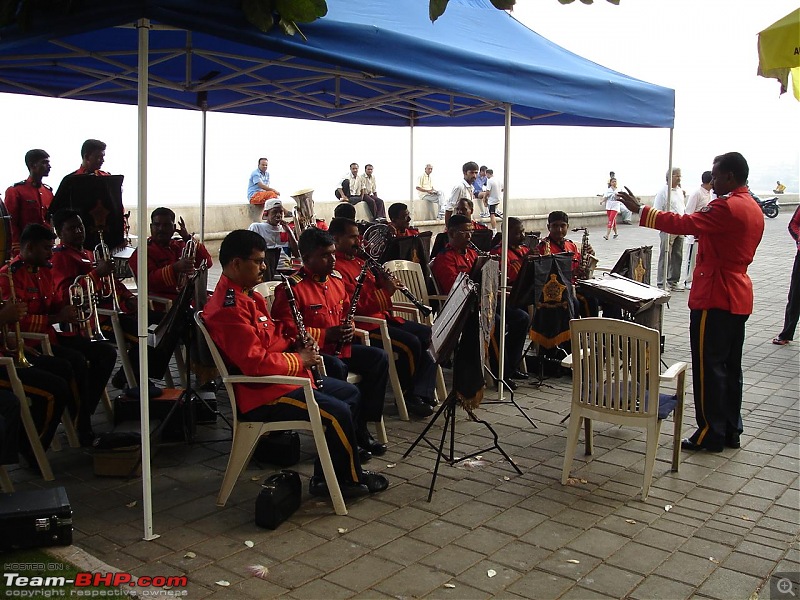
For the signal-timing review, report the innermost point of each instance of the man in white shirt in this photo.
(670, 253)
(275, 231)
(356, 192)
(697, 202)
(493, 191)
(462, 190)
(370, 188)
(428, 193)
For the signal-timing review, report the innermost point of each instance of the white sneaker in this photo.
(498, 214)
(484, 214)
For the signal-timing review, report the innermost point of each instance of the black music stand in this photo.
(98, 200)
(179, 323)
(460, 318)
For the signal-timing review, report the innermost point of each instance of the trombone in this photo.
(20, 362)
(83, 297)
(108, 285)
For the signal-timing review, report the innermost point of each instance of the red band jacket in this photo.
(161, 277)
(374, 301)
(33, 286)
(449, 263)
(515, 257)
(323, 304)
(27, 204)
(729, 230)
(251, 343)
(69, 263)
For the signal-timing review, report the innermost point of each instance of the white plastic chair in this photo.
(267, 289)
(246, 434)
(615, 379)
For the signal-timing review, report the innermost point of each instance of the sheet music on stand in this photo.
(631, 295)
(448, 325)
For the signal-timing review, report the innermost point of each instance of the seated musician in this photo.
(71, 260)
(416, 369)
(556, 242)
(253, 344)
(47, 393)
(33, 284)
(400, 221)
(277, 233)
(466, 207)
(516, 251)
(165, 264)
(458, 257)
(324, 303)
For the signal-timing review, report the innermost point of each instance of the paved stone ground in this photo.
(733, 521)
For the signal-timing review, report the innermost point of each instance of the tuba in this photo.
(303, 211)
(588, 261)
(83, 297)
(20, 362)
(108, 285)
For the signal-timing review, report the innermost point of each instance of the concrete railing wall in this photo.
(583, 211)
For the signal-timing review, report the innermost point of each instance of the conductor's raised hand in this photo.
(629, 200)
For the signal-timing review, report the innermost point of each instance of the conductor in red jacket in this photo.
(721, 298)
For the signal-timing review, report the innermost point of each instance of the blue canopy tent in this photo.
(378, 62)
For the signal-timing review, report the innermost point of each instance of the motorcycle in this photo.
(770, 207)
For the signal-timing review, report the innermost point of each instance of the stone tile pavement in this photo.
(489, 532)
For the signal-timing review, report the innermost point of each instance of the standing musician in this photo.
(457, 257)
(254, 344)
(71, 260)
(165, 264)
(33, 284)
(27, 201)
(48, 393)
(410, 340)
(93, 155)
(400, 221)
(721, 297)
(324, 303)
(516, 251)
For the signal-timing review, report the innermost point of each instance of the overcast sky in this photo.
(705, 50)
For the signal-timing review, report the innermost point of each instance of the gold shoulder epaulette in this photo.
(296, 278)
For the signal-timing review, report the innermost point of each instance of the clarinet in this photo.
(353, 304)
(379, 272)
(301, 327)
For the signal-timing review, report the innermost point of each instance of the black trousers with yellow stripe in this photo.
(338, 402)
(415, 367)
(49, 395)
(717, 338)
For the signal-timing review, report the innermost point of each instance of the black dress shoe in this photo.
(687, 444)
(375, 482)
(518, 375)
(318, 487)
(511, 384)
(429, 401)
(732, 441)
(364, 455)
(417, 407)
(86, 438)
(369, 443)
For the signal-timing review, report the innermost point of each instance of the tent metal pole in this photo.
(668, 206)
(411, 166)
(203, 177)
(143, 27)
(504, 254)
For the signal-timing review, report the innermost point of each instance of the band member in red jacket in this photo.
(252, 343)
(516, 251)
(721, 297)
(458, 257)
(33, 284)
(324, 304)
(556, 241)
(400, 221)
(416, 369)
(27, 201)
(164, 263)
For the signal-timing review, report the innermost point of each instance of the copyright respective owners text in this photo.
(56, 580)
(784, 584)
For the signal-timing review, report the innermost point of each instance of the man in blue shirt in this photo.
(479, 190)
(258, 190)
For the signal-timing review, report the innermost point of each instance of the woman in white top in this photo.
(612, 207)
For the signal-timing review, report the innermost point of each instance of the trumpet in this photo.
(83, 297)
(20, 362)
(108, 285)
(190, 252)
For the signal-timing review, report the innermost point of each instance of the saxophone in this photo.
(588, 261)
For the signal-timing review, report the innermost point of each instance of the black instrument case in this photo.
(35, 518)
